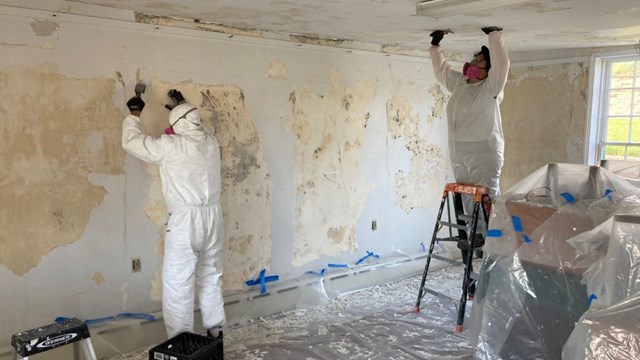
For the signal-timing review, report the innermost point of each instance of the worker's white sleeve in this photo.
(142, 146)
(442, 70)
(499, 62)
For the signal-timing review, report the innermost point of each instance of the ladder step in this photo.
(465, 217)
(439, 295)
(44, 338)
(461, 227)
(447, 260)
(452, 238)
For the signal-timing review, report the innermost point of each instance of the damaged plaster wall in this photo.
(58, 132)
(330, 188)
(246, 185)
(310, 157)
(543, 118)
(428, 161)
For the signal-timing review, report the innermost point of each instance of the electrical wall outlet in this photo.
(136, 265)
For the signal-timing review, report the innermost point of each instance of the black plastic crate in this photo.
(188, 346)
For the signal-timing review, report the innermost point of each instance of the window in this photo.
(615, 110)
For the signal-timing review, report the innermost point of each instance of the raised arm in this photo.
(499, 62)
(142, 146)
(441, 69)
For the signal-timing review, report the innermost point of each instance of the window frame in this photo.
(597, 123)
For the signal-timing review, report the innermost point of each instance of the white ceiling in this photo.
(531, 26)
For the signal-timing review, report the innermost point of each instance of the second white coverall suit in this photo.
(476, 141)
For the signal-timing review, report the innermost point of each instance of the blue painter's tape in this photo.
(517, 223)
(262, 280)
(369, 254)
(608, 193)
(317, 273)
(126, 315)
(592, 297)
(568, 197)
(424, 248)
(526, 239)
(338, 266)
(494, 233)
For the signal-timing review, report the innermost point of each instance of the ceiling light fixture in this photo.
(444, 8)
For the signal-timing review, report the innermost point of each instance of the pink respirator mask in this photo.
(471, 70)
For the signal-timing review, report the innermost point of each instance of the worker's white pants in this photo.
(193, 257)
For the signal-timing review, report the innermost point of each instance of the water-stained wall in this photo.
(543, 118)
(316, 143)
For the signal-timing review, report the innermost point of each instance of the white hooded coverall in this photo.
(476, 141)
(190, 172)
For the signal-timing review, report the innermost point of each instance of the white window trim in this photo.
(598, 82)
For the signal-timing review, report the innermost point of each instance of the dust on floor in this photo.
(376, 323)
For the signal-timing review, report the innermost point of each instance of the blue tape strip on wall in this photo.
(338, 265)
(140, 316)
(592, 297)
(317, 273)
(262, 280)
(369, 254)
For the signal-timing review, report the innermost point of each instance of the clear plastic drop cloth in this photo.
(374, 323)
(546, 237)
(610, 329)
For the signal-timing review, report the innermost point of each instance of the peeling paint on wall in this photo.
(43, 47)
(57, 131)
(98, 278)
(154, 19)
(196, 24)
(245, 179)
(330, 188)
(314, 40)
(277, 70)
(44, 27)
(428, 167)
(547, 128)
(226, 29)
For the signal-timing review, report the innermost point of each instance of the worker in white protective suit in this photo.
(189, 160)
(476, 141)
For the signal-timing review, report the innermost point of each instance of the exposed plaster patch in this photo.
(154, 19)
(573, 71)
(43, 47)
(402, 50)
(226, 29)
(50, 149)
(627, 11)
(98, 278)
(314, 40)
(44, 27)
(537, 7)
(156, 285)
(330, 188)
(161, 5)
(277, 69)
(246, 183)
(196, 24)
(428, 165)
(536, 135)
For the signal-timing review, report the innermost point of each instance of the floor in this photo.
(376, 323)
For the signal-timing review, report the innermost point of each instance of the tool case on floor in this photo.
(188, 346)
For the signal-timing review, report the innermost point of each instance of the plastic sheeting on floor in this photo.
(376, 323)
(545, 265)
